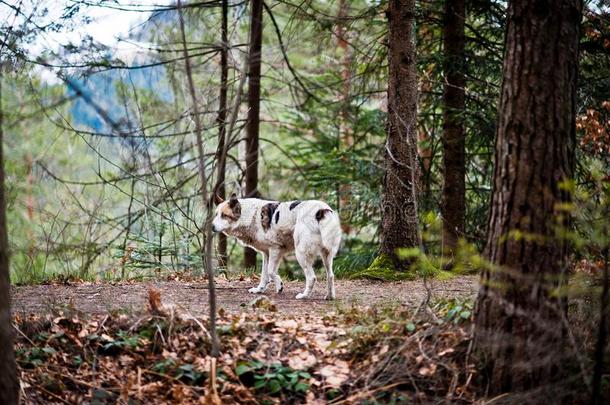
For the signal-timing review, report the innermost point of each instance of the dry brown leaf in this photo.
(446, 351)
(154, 302)
(428, 371)
(301, 360)
(335, 374)
(263, 302)
(287, 324)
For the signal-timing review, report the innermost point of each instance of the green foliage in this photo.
(35, 356)
(109, 207)
(189, 374)
(124, 341)
(273, 379)
(454, 310)
(355, 259)
(164, 366)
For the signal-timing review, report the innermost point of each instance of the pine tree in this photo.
(399, 224)
(519, 323)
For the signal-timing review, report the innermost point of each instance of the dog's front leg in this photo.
(262, 285)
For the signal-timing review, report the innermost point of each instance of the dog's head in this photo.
(227, 215)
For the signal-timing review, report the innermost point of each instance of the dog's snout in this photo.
(214, 228)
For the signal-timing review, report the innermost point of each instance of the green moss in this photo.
(383, 269)
(444, 275)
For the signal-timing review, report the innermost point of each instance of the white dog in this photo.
(310, 228)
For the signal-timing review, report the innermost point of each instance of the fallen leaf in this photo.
(428, 371)
(301, 360)
(154, 302)
(446, 351)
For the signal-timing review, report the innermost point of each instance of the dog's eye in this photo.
(224, 216)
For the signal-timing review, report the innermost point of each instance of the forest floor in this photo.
(147, 342)
(232, 295)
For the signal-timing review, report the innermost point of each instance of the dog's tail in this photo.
(330, 229)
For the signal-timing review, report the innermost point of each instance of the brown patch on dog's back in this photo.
(321, 212)
(267, 214)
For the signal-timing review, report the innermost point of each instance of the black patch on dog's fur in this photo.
(277, 216)
(321, 212)
(294, 204)
(267, 214)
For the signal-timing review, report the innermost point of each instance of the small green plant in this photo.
(124, 341)
(164, 366)
(273, 378)
(36, 356)
(77, 360)
(190, 375)
(454, 310)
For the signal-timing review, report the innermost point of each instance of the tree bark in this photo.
(602, 332)
(453, 204)
(399, 224)
(520, 308)
(207, 202)
(253, 122)
(346, 136)
(221, 120)
(9, 384)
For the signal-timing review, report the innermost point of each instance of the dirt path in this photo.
(233, 296)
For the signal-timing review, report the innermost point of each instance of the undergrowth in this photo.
(353, 355)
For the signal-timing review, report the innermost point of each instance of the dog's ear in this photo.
(233, 201)
(218, 199)
(235, 206)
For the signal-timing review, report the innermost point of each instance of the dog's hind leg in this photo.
(262, 285)
(275, 257)
(327, 259)
(306, 260)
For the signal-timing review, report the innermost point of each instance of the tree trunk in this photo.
(453, 205)
(346, 136)
(9, 384)
(254, 98)
(602, 332)
(520, 314)
(399, 225)
(207, 202)
(221, 120)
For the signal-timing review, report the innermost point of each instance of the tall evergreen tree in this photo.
(254, 99)
(519, 322)
(453, 206)
(399, 224)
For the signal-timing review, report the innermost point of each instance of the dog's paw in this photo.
(256, 290)
(280, 288)
(301, 296)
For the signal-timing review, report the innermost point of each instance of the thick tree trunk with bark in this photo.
(254, 98)
(221, 120)
(453, 205)
(399, 225)
(9, 384)
(520, 311)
